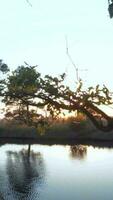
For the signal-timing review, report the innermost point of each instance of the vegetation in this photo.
(110, 8)
(33, 100)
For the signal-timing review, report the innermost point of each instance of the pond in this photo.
(55, 172)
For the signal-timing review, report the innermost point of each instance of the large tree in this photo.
(26, 87)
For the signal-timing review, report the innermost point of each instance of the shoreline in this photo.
(60, 134)
(45, 141)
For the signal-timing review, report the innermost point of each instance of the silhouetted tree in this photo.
(24, 80)
(26, 87)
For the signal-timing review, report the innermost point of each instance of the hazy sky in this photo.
(37, 35)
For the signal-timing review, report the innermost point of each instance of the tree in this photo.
(26, 88)
(22, 81)
(87, 102)
(110, 8)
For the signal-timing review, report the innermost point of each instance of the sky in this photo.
(38, 35)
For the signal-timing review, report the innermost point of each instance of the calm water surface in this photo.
(55, 172)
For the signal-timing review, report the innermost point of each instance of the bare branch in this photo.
(29, 3)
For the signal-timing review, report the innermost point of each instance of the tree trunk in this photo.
(27, 116)
(100, 119)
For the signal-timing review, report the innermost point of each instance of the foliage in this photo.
(26, 89)
(3, 67)
(3, 70)
(21, 84)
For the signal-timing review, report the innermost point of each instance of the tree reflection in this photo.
(78, 151)
(26, 172)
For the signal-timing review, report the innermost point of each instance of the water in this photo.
(55, 172)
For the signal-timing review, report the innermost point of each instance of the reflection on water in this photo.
(41, 172)
(78, 151)
(25, 171)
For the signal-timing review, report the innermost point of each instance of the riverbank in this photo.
(61, 133)
(31, 141)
